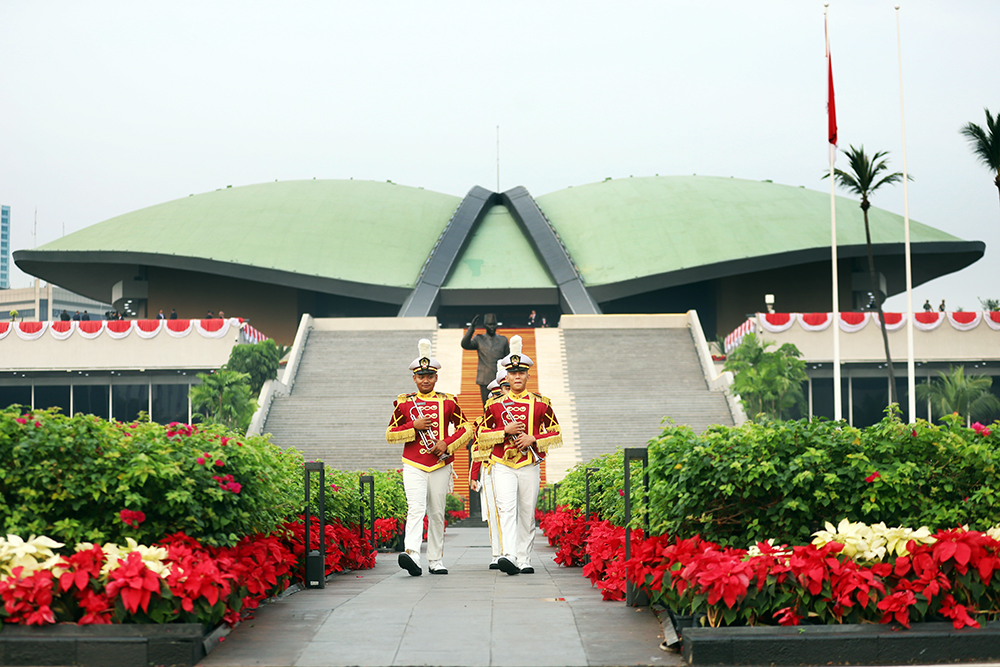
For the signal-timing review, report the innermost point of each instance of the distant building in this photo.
(43, 303)
(4, 247)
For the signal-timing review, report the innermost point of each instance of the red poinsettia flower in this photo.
(957, 613)
(872, 477)
(897, 606)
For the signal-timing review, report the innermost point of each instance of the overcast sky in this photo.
(108, 107)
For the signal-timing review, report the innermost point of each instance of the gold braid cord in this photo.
(551, 426)
(395, 437)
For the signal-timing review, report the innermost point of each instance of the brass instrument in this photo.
(509, 418)
(424, 438)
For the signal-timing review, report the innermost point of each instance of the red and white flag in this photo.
(831, 107)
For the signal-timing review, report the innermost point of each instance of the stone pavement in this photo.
(473, 616)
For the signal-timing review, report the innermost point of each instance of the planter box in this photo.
(923, 643)
(120, 645)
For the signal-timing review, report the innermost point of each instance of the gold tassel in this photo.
(462, 441)
(546, 444)
(394, 437)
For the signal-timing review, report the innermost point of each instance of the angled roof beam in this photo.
(425, 297)
(573, 295)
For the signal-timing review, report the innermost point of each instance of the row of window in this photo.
(165, 403)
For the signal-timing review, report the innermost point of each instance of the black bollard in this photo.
(315, 559)
(633, 596)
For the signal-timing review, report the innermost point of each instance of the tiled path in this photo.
(473, 616)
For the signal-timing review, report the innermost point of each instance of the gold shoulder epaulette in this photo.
(541, 398)
(403, 397)
(447, 396)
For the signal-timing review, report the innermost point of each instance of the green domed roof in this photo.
(356, 231)
(625, 229)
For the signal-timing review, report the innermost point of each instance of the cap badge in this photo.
(515, 360)
(425, 362)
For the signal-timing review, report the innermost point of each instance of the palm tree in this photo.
(223, 397)
(863, 180)
(969, 396)
(986, 143)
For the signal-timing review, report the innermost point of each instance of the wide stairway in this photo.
(625, 381)
(342, 398)
(610, 383)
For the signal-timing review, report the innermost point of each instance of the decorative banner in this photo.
(815, 321)
(964, 320)
(214, 328)
(734, 339)
(61, 330)
(251, 335)
(148, 328)
(928, 321)
(853, 322)
(90, 329)
(178, 328)
(775, 322)
(992, 319)
(893, 321)
(30, 330)
(118, 329)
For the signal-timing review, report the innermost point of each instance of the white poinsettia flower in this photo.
(152, 556)
(35, 553)
(994, 532)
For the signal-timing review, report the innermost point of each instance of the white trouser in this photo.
(425, 494)
(490, 509)
(516, 494)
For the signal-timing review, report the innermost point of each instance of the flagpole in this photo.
(832, 117)
(911, 380)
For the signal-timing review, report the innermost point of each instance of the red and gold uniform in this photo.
(442, 410)
(535, 412)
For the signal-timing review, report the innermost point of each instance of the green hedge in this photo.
(70, 478)
(784, 479)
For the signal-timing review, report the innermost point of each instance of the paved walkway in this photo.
(473, 616)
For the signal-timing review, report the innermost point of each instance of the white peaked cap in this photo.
(425, 362)
(516, 360)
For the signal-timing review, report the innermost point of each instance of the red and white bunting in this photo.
(776, 322)
(993, 320)
(815, 321)
(893, 321)
(251, 335)
(148, 328)
(90, 329)
(734, 339)
(964, 320)
(118, 329)
(853, 322)
(928, 321)
(30, 330)
(61, 330)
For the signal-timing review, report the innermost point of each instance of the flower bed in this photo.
(851, 573)
(176, 580)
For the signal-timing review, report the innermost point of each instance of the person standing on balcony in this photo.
(420, 421)
(492, 348)
(517, 432)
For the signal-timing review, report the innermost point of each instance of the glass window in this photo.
(20, 395)
(128, 400)
(91, 399)
(52, 396)
(823, 397)
(170, 403)
(871, 396)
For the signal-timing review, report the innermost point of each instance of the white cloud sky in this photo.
(108, 107)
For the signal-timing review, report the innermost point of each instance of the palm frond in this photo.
(985, 142)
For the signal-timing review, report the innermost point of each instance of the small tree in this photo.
(259, 361)
(990, 304)
(224, 398)
(768, 383)
(954, 392)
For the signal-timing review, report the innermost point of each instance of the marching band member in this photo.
(479, 472)
(420, 420)
(516, 433)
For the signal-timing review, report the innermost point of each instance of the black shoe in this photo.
(527, 570)
(494, 566)
(507, 566)
(440, 570)
(406, 562)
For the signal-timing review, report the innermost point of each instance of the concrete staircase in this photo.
(624, 381)
(612, 379)
(341, 402)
